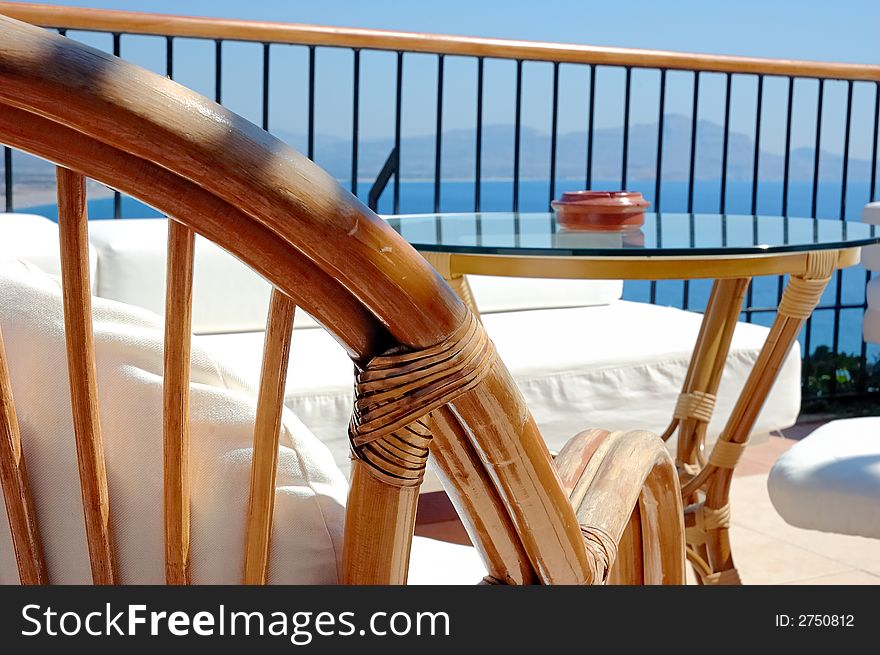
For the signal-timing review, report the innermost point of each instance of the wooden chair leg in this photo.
(379, 523)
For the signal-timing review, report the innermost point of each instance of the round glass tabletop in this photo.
(664, 234)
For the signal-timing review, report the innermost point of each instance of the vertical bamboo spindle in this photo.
(178, 322)
(16, 492)
(261, 502)
(73, 234)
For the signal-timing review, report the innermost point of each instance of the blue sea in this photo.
(534, 195)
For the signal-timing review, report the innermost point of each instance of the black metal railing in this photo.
(866, 373)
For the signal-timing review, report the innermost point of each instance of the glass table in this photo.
(731, 250)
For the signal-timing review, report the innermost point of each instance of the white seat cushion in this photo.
(229, 297)
(506, 294)
(438, 562)
(830, 481)
(871, 325)
(871, 254)
(577, 367)
(310, 489)
(35, 239)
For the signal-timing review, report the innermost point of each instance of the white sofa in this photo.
(580, 354)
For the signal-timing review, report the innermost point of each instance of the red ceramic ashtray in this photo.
(600, 210)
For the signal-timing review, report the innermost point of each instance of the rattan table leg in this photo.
(693, 411)
(711, 517)
(696, 402)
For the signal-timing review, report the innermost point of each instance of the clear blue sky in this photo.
(844, 30)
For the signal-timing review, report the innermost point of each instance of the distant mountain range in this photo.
(417, 155)
(457, 161)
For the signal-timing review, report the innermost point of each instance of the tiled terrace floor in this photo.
(767, 550)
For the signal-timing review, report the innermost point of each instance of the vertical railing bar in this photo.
(808, 328)
(554, 129)
(695, 109)
(355, 118)
(846, 144)
(517, 126)
(786, 172)
(756, 164)
(311, 117)
(117, 197)
(816, 151)
(479, 141)
(725, 145)
(756, 155)
(692, 164)
(658, 170)
(265, 116)
(872, 191)
(438, 140)
(624, 159)
(218, 71)
(7, 178)
(838, 286)
(590, 123)
(398, 106)
(169, 57)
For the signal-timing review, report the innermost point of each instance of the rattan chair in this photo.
(427, 377)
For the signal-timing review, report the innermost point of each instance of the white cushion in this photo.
(310, 489)
(434, 562)
(871, 325)
(503, 294)
(871, 254)
(872, 293)
(871, 213)
(577, 367)
(227, 295)
(870, 258)
(830, 481)
(35, 239)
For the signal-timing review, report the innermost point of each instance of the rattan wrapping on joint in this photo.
(820, 263)
(801, 297)
(707, 518)
(603, 549)
(726, 454)
(803, 292)
(395, 393)
(696, 404)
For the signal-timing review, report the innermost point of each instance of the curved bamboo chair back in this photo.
(427, 376)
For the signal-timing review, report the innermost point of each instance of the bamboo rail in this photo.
(348, 37)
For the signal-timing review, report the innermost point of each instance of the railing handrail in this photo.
(105, 20)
